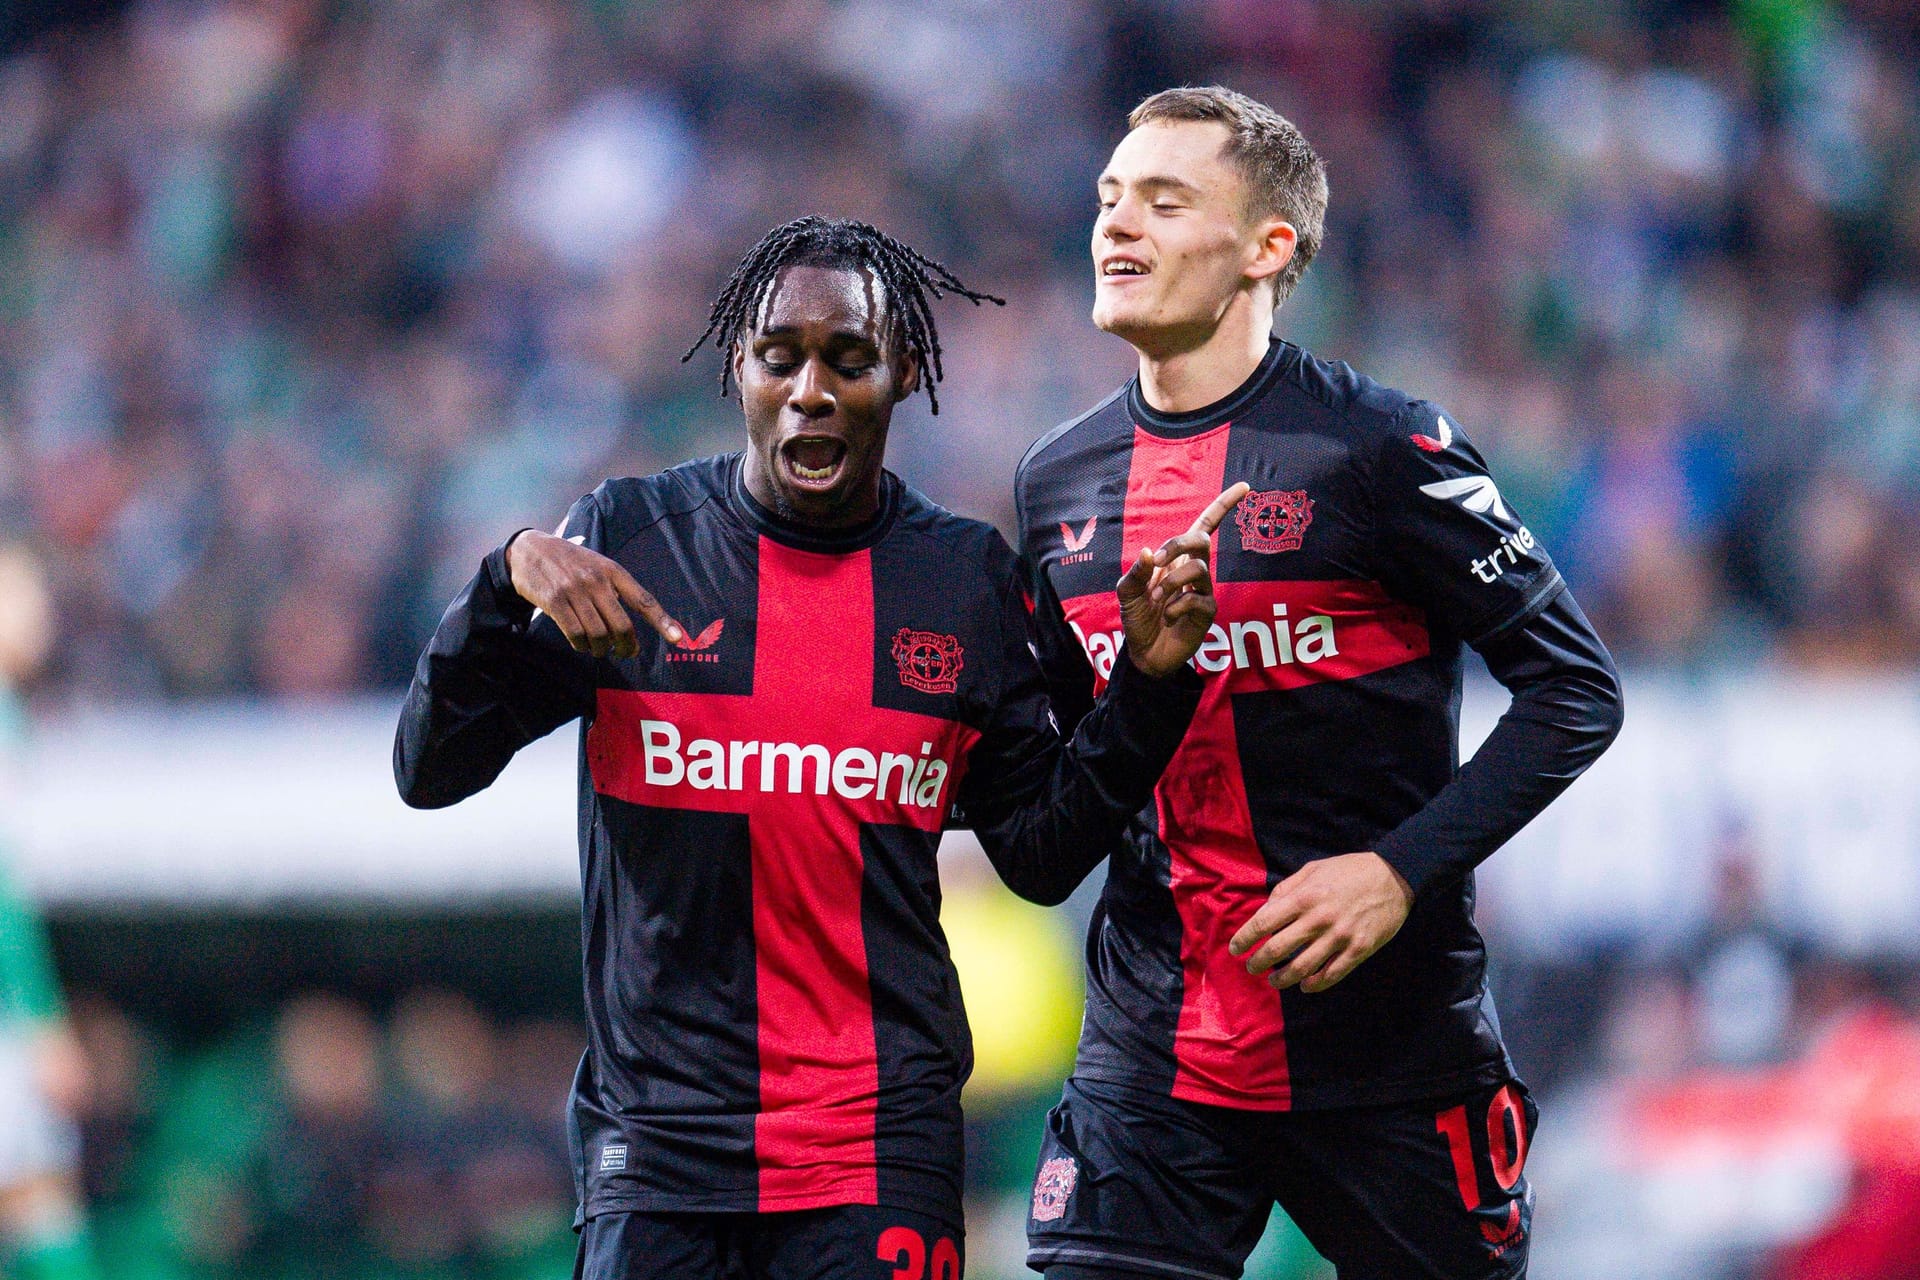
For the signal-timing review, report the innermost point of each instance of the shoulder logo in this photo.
(1475, 493)
(696, 648)
(928, 661)
(1429, 444)
(1052, 1188)
(1273, 521)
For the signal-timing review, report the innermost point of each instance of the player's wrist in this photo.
(1400, 884)
(1405, 871)
(506, 548)
(499, 570)
(1146, 670)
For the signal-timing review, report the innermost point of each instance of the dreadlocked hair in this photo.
(908, 277)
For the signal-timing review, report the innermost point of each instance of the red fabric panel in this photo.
(1230, 1042)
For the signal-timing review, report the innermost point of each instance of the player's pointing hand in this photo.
(1166, 598)
(588, 596)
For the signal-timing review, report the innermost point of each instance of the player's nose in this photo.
(810, 394)
(1122, 221)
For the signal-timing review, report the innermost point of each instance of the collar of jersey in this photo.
(806, 537)
(1207, 417)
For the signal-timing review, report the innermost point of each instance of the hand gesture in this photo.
(587, 595)
(1166, 599)
(1323, 920)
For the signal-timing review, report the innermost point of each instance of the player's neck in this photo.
(1180, 381)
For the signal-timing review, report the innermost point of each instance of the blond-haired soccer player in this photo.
(1287, 996)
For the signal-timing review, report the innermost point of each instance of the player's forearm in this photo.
(483, 689)
(1063, 665)
(1566, 710)
(1054, 821)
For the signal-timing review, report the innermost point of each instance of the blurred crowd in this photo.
(304, 304)
(323, 1143)
(1739, 1104)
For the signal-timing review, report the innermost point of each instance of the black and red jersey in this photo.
(772, 1018)
(1372, 547)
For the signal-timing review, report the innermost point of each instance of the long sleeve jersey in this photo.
(1373, 547)
(773, 1021)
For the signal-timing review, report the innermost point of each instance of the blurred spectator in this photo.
(1742, 966)
(311, 1175)
(44, 1071)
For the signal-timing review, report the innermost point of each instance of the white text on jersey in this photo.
(1514, 546)
(854, 774)
(1236, 645)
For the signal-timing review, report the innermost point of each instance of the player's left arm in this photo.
(1451, 543)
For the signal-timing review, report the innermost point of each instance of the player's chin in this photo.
(1111, 315)
(1128, 318)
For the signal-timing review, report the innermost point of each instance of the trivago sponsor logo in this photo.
(1237, 646)
(853, 773)
(1512, 550)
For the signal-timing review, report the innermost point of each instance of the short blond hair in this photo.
(1285, 176)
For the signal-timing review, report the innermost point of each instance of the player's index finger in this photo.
(1217, 509)
(641, 601)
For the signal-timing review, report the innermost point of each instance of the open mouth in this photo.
(1121, 268)
(813, 462)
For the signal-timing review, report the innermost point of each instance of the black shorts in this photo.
(1139, 1182)
(850, 1242)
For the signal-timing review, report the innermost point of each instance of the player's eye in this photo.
(778, 360)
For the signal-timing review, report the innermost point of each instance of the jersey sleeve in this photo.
(1064, 668)
(1447, 538)
(1566, 710)
(493, 678)
(1047, 810)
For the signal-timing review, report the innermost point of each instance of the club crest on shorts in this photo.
(1274, 520)
(928, 661)
(1052, 1187)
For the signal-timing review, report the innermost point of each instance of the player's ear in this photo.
(908, 380)
(1274, 241)
(737, 357)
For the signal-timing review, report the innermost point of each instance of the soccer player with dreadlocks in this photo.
(776, 1043)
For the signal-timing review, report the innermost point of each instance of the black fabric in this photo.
(667, 1105)
(1566, 709)
(854, 1242)
(1375, 513)
(1183, 1191)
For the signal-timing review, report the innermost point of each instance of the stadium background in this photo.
(306, 303)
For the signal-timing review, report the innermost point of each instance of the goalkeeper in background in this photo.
(43, 1074)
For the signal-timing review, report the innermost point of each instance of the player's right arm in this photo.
(502, 668)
